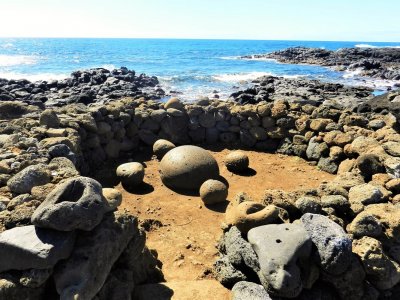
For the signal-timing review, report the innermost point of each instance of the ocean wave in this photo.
(352, 74)
(33, 77)
(7, 46)
(294, 76)
(14, 60)
(230, 57)
(109, 67)
(237, 77)
(374, 46)
(184, 78)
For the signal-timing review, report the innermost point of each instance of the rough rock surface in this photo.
(131, 174)
(245, 290)
(29, 177)
(161, 147)
(237, 161)
(332, 242)
(83, 274)
(78, 203)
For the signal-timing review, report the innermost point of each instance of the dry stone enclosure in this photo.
(339, 241)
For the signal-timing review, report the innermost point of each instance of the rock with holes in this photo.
(381, 270)
(333, 244)
(29, 247)
(188, 167)
(78, 203)
(284, 255)
(245, 290)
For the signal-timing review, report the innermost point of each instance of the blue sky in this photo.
(352, 20)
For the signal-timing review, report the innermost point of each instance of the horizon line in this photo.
(189, 38)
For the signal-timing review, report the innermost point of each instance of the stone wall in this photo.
(43, 150)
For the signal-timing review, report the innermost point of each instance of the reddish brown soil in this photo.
(186, 238)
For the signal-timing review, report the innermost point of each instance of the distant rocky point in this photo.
(381, 63)
(87, 86)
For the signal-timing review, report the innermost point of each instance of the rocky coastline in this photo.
(86, 86)
(340, 241)
(380, 63)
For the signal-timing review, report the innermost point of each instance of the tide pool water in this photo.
(192, 67)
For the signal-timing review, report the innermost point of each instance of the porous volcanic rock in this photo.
(188, 167)
(78, 203)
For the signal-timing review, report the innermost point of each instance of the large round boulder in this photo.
(187, 167)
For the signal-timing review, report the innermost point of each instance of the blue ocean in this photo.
(191, 67)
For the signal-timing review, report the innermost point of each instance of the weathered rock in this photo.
(77, 203)
(131, 174)
(161, 147)
(30, 247)
(283, 250)
(236, 255)
(381, 271)
(237, 161)
(333, 245)
(245, 290)
(366, 194)
(174, 103)
(369, 165)
(213, 191)
(11, 290)
(49, 118)
(315, 150)
(309, 205)
(29, 177)
(188, 167)
(350, 284)
(83, 274)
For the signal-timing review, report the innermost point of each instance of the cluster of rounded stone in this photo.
(186, 168)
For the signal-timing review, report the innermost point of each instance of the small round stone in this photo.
(113, 197)
(131, 174)
(237, 161)
(161, 147)
(213, 191)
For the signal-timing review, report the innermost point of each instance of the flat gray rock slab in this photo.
(30, 247)
(281, 250)
(332, 242)
(78, 203)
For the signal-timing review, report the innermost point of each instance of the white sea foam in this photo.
(7, 46)
(14, 60)
(33, 77)
(230, 57)
(352, 74)
(293, 76)
(109, 67)
(374, 46)
(237, 77)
